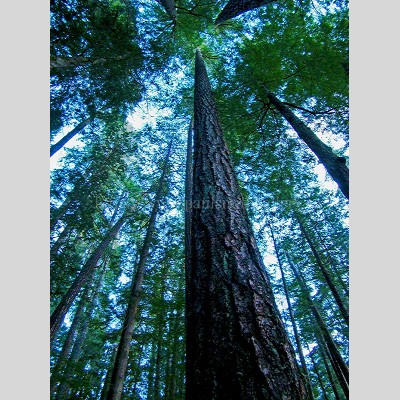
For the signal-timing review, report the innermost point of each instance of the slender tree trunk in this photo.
(319, 378)
(335, 365)
(65, 139)
(325, 272)
(69, 340)
(236, 343)
(335, 165)
(330, 377)
(76, 352)
(121, 362)
(58, 315)
(107, 379)
(321, 324)
(170, 390)
(237, 7)
(292, 319)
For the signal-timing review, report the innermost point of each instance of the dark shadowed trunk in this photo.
(107, 379)
(170, 8)
(236, 344)
(328, 371)
(321, 325)
(325, 272)
(236, 7)
(58, 315)
(121, 362)
(335, 165)
(65, 139)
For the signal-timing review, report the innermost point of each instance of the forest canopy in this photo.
(199, 198)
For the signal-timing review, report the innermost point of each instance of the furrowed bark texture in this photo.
(335, 165)
(236, 7)
(121, 362)
(58, 315)
(236, 344)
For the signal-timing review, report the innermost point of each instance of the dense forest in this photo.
(199, 199)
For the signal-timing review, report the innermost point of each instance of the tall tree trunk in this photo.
(335, 165)
(319, 378)
(107, 379)
(170, 8)
(188, 202)
(63, 389)
(236, 343)
(335, 365)
(321, 324)
(69, 340)
(292, 319)
(58, 315)
(121, 362)
(237, 7)
(65, 139)
(325, 272)
(328, 371)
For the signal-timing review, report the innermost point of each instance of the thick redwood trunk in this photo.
(58, 315)
(236, 344)
(335, 165)
(236, 7)
(65, 139)
(333, 350)
(121, 362)
(325, 272)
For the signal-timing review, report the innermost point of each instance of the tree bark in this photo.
(58, 315)
(121, 362)
(325, 272)
(335, 165)
(65, 139)
(170, 8)
(237, 7)
(236, 344)
(321, 324)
